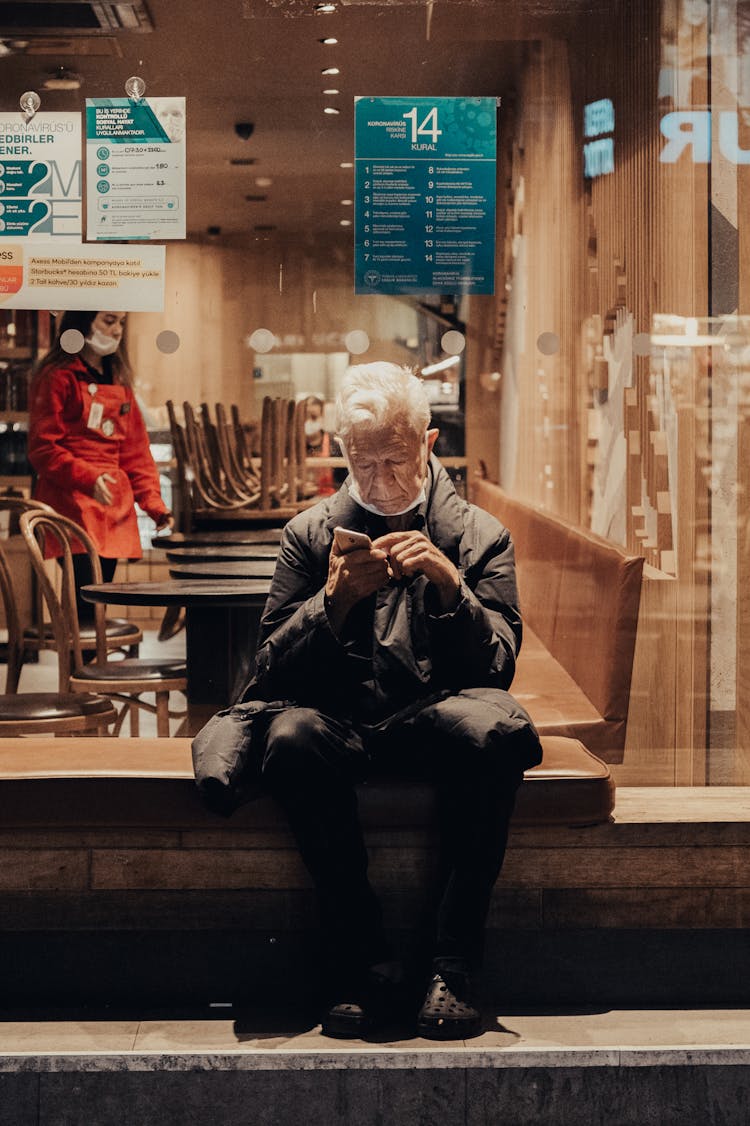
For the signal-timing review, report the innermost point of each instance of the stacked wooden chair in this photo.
(218, 477)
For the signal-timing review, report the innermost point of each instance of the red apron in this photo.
(78, 430)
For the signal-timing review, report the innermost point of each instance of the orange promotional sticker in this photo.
(11, 269)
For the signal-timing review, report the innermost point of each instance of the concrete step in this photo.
(557, 1068)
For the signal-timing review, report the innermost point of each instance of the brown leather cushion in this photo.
(556, 703)
(132, 781)
(132, 669)
(580, 595)
(50, 705)
(118, 628)
(571, 786)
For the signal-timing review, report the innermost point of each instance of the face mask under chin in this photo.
(355, 494)
(102, 344)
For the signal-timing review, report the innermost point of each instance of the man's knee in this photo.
(302, 747)
(483, 730)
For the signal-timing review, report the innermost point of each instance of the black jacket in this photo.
(397, 647)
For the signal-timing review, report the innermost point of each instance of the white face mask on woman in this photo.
(102, 344)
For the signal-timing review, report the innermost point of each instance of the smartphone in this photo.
(347, 540)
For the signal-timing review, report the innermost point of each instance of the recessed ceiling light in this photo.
(345, 222)
(62, 79)
(331, 70)
(331, 90)
(324, 9)
(237, 161)
(346, 164)
(346, 202)
(330, 109)
(256, 198)
(330, 41)
(263, 181)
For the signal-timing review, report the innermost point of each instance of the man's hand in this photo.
(102, 492)
(412, 553)
(352, 577)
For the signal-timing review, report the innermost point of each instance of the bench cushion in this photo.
(580, 597)
(55, 783)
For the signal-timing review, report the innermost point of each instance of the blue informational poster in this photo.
(425, 195)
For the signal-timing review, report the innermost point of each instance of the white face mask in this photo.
(102, 344)
(355, 495)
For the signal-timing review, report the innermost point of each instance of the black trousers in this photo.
(311, 763)
(83, 576)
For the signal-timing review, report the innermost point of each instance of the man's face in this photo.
(389, 465)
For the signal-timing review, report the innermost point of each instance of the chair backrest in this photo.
(13, 626)
(66, 538)
(16, 506)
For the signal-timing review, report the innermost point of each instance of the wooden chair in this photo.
(42, 713)
(124, 680)
(120, 633)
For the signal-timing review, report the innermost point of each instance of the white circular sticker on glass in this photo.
(548, 343)
(262, 340)
(453, 342)
(167, 341)
(357, 341)
(72, 341)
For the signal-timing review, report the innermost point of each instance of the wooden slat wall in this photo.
(621, 247)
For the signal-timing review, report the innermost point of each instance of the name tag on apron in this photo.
(95, 416)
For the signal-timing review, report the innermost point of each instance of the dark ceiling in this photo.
(260, 62)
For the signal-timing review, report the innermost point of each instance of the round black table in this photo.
(219, 538)
(237, 569)
(215, 553)
(221, 625)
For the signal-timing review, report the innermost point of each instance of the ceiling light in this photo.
(329, 42)
(346, 164)
(345, 222)
(441, 365)
(263, 181)
(62, 79)
(331, 70)
(256, 198)
(331, 91)
(346, 202)
(324, 9)
(330, 109)
(238, 161)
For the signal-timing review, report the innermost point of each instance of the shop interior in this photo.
(603, 387)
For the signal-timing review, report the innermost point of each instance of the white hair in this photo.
(381, 395)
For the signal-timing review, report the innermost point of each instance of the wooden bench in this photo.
(580, 597)
(115, 882)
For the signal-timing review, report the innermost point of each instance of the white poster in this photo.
(135, 169)
(40, 176)
(81, 276)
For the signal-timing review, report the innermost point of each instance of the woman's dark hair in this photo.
(121, 369)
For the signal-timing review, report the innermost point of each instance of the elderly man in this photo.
(395, 656)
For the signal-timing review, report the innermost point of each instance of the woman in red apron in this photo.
(88, 443)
